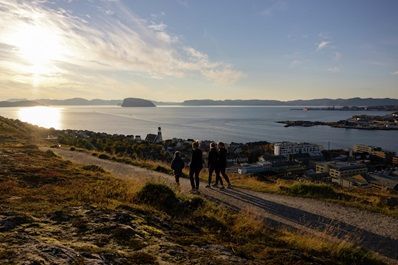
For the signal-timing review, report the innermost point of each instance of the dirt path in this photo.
(373, 231)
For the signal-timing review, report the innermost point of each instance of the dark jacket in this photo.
(212, 161)
(196, 160)
(177, 164)
(222, 158)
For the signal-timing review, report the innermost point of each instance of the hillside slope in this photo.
(55, 212)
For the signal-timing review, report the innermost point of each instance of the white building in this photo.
(289, 148)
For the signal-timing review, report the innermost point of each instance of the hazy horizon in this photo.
(180, 50)
(182, 100)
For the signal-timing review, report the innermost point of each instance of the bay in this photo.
(218, 123)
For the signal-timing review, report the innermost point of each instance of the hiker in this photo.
(177, 165)
(195, 166)
(222, 165)
(212, 163)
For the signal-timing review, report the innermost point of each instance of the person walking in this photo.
(222, 164)
(177, 165)
(212, 162)
(195, 166)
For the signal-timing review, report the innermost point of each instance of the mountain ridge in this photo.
(356, 101)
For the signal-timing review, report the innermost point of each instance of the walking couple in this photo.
(217, 162)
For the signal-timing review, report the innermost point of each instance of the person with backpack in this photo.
(195, 166)
(177, 165)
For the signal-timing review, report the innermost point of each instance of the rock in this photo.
(11, 222)
(60, 217)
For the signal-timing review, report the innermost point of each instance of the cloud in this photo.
(322, 45)
(395, 73)
(275, 5)
(295, 63)
(68, 46)
(334, 69)
(338, 56)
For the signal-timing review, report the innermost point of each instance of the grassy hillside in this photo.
(56, 212)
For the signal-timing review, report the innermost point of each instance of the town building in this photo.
(363, 148)
(384, 181)
(343, 173)
(352, 181)
(373, 151)
(395, 160)
(259, 167)
(346, 170)
(323, 167)
(154, 138)
(289, 148)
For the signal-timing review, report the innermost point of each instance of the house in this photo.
(154, 138)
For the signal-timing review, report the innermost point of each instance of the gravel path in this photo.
(373, 231)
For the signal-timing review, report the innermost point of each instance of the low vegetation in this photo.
(372, 200)
(55, 212)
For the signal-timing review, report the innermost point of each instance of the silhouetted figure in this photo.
(212, 163)
(177, 165)
(222, 164)
(195, 166)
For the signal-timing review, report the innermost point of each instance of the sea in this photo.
(219, 123)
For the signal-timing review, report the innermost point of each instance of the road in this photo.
(373, 231)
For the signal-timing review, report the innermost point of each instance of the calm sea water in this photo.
(240, 124)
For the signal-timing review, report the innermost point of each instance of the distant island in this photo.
(24, 103)
(360, 122)
(310, 102)
(80, 102)
(137, 102)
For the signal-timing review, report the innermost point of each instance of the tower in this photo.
(159, 137)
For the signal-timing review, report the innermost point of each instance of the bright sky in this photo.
(181, 49)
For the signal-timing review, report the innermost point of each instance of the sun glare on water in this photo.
(47, 117)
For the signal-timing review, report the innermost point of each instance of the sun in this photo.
(38, 46)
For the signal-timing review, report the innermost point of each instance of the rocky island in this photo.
(137, 102)
(361, 122)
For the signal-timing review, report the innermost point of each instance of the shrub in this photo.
(162, 169)
(104, 156)
(159, 196)
(93, 168)
(164, 198)
(50, 154)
